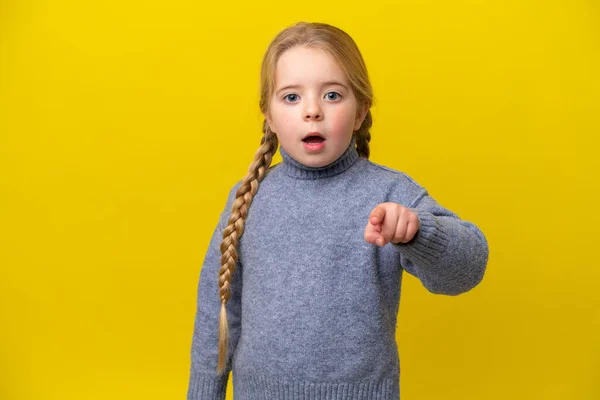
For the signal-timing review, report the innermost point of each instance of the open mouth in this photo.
(313, 139)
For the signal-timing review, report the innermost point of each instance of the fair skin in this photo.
(391, 222)
(311, 94)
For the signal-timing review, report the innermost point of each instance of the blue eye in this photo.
(333, 93)
(295, 96)
(291, 94)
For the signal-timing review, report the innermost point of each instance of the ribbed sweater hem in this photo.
(260, 387)
(203, 387)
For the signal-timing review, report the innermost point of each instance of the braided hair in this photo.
(343, 48)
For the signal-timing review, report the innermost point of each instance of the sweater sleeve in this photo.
(448, 255)
(204, 383)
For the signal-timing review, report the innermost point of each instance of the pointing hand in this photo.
(391, 222)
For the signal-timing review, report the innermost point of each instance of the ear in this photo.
(360, 116)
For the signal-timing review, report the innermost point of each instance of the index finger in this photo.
(377, 215)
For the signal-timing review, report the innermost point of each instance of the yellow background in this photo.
(124, 124)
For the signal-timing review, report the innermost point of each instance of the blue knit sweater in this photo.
(313, 306)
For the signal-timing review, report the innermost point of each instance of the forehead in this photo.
(304, 65)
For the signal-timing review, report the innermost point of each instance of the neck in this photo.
(295, 169)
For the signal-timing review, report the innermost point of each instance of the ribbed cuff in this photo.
(204, 387)
(430, 242)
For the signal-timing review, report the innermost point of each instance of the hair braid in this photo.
(235, 228)
(339, 45)
(363, 136)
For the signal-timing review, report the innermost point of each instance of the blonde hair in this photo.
(342, 47)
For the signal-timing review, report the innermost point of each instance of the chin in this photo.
(309, 162)
(318, 164)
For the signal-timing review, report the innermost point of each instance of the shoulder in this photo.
(231, 195)
(235, 187)
(232, 192)
(402, 187)
(400, 178)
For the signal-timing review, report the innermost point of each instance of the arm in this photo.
(204, 383)
(447, 254)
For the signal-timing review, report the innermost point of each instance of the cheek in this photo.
(281, 117)
(343, 121)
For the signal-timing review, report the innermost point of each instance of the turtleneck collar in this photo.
(295, 169)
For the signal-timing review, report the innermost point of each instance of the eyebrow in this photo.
(323, 84)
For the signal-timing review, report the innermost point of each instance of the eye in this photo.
(291, 94)
(334, 98)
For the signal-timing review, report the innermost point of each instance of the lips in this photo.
(313, 137)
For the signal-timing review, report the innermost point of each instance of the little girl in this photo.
(304, 304)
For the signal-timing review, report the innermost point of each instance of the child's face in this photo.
(314, 105)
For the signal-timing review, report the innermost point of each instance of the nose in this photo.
(313, 111)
